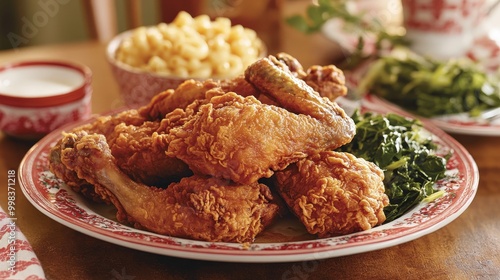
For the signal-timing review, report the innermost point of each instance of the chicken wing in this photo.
(334, 193)
(273, 79)
(197, 207)
(328, 81)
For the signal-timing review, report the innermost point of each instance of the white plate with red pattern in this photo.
(453, 123)
(284, 242)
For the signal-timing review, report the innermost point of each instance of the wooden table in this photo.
(468, 248)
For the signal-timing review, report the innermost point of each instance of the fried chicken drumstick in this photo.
(197, 207)
(129, 136)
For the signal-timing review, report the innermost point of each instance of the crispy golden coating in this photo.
(142, 158)
(273, 79)
(193, 91)
(129, 136)
(197, 207)
(171, 99)
(237, 138)
(241, 139)
(104, 125)
(329, 81)
(70, 177)
(334, 193)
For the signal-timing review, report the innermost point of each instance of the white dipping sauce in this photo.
(39, 80)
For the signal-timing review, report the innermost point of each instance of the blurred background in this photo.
(25, 23)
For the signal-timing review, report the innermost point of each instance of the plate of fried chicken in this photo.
(241, 170)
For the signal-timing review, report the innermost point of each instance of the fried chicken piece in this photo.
(130, 137)
(197, 207)
(334, 193)
(192, 91)
(142, 158)
(104, 125)
(329, 81)
(171, 99)
(273, 79)
(241, 139)
(70, 177)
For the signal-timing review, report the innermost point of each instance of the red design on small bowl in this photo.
(36, 97)
(137, 86)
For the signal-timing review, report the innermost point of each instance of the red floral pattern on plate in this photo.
(53, 198)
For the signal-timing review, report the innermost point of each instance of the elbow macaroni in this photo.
(192, 47)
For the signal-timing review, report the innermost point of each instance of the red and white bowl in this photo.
(137, 86)
(36, 97)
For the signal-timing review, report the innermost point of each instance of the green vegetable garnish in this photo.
(398, 146)
(318, 14)
(430, 88)
(357, 23)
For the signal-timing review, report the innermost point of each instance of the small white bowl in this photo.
(37, 97)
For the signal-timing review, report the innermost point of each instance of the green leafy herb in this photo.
(400, 148)
(318, 15)
(354, 22)
(431, 88)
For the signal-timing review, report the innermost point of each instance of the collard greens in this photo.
(431, 88)
(405, 154)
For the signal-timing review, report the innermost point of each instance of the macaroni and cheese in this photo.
(192, 47)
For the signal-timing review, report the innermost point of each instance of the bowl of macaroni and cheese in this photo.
(150, 59)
